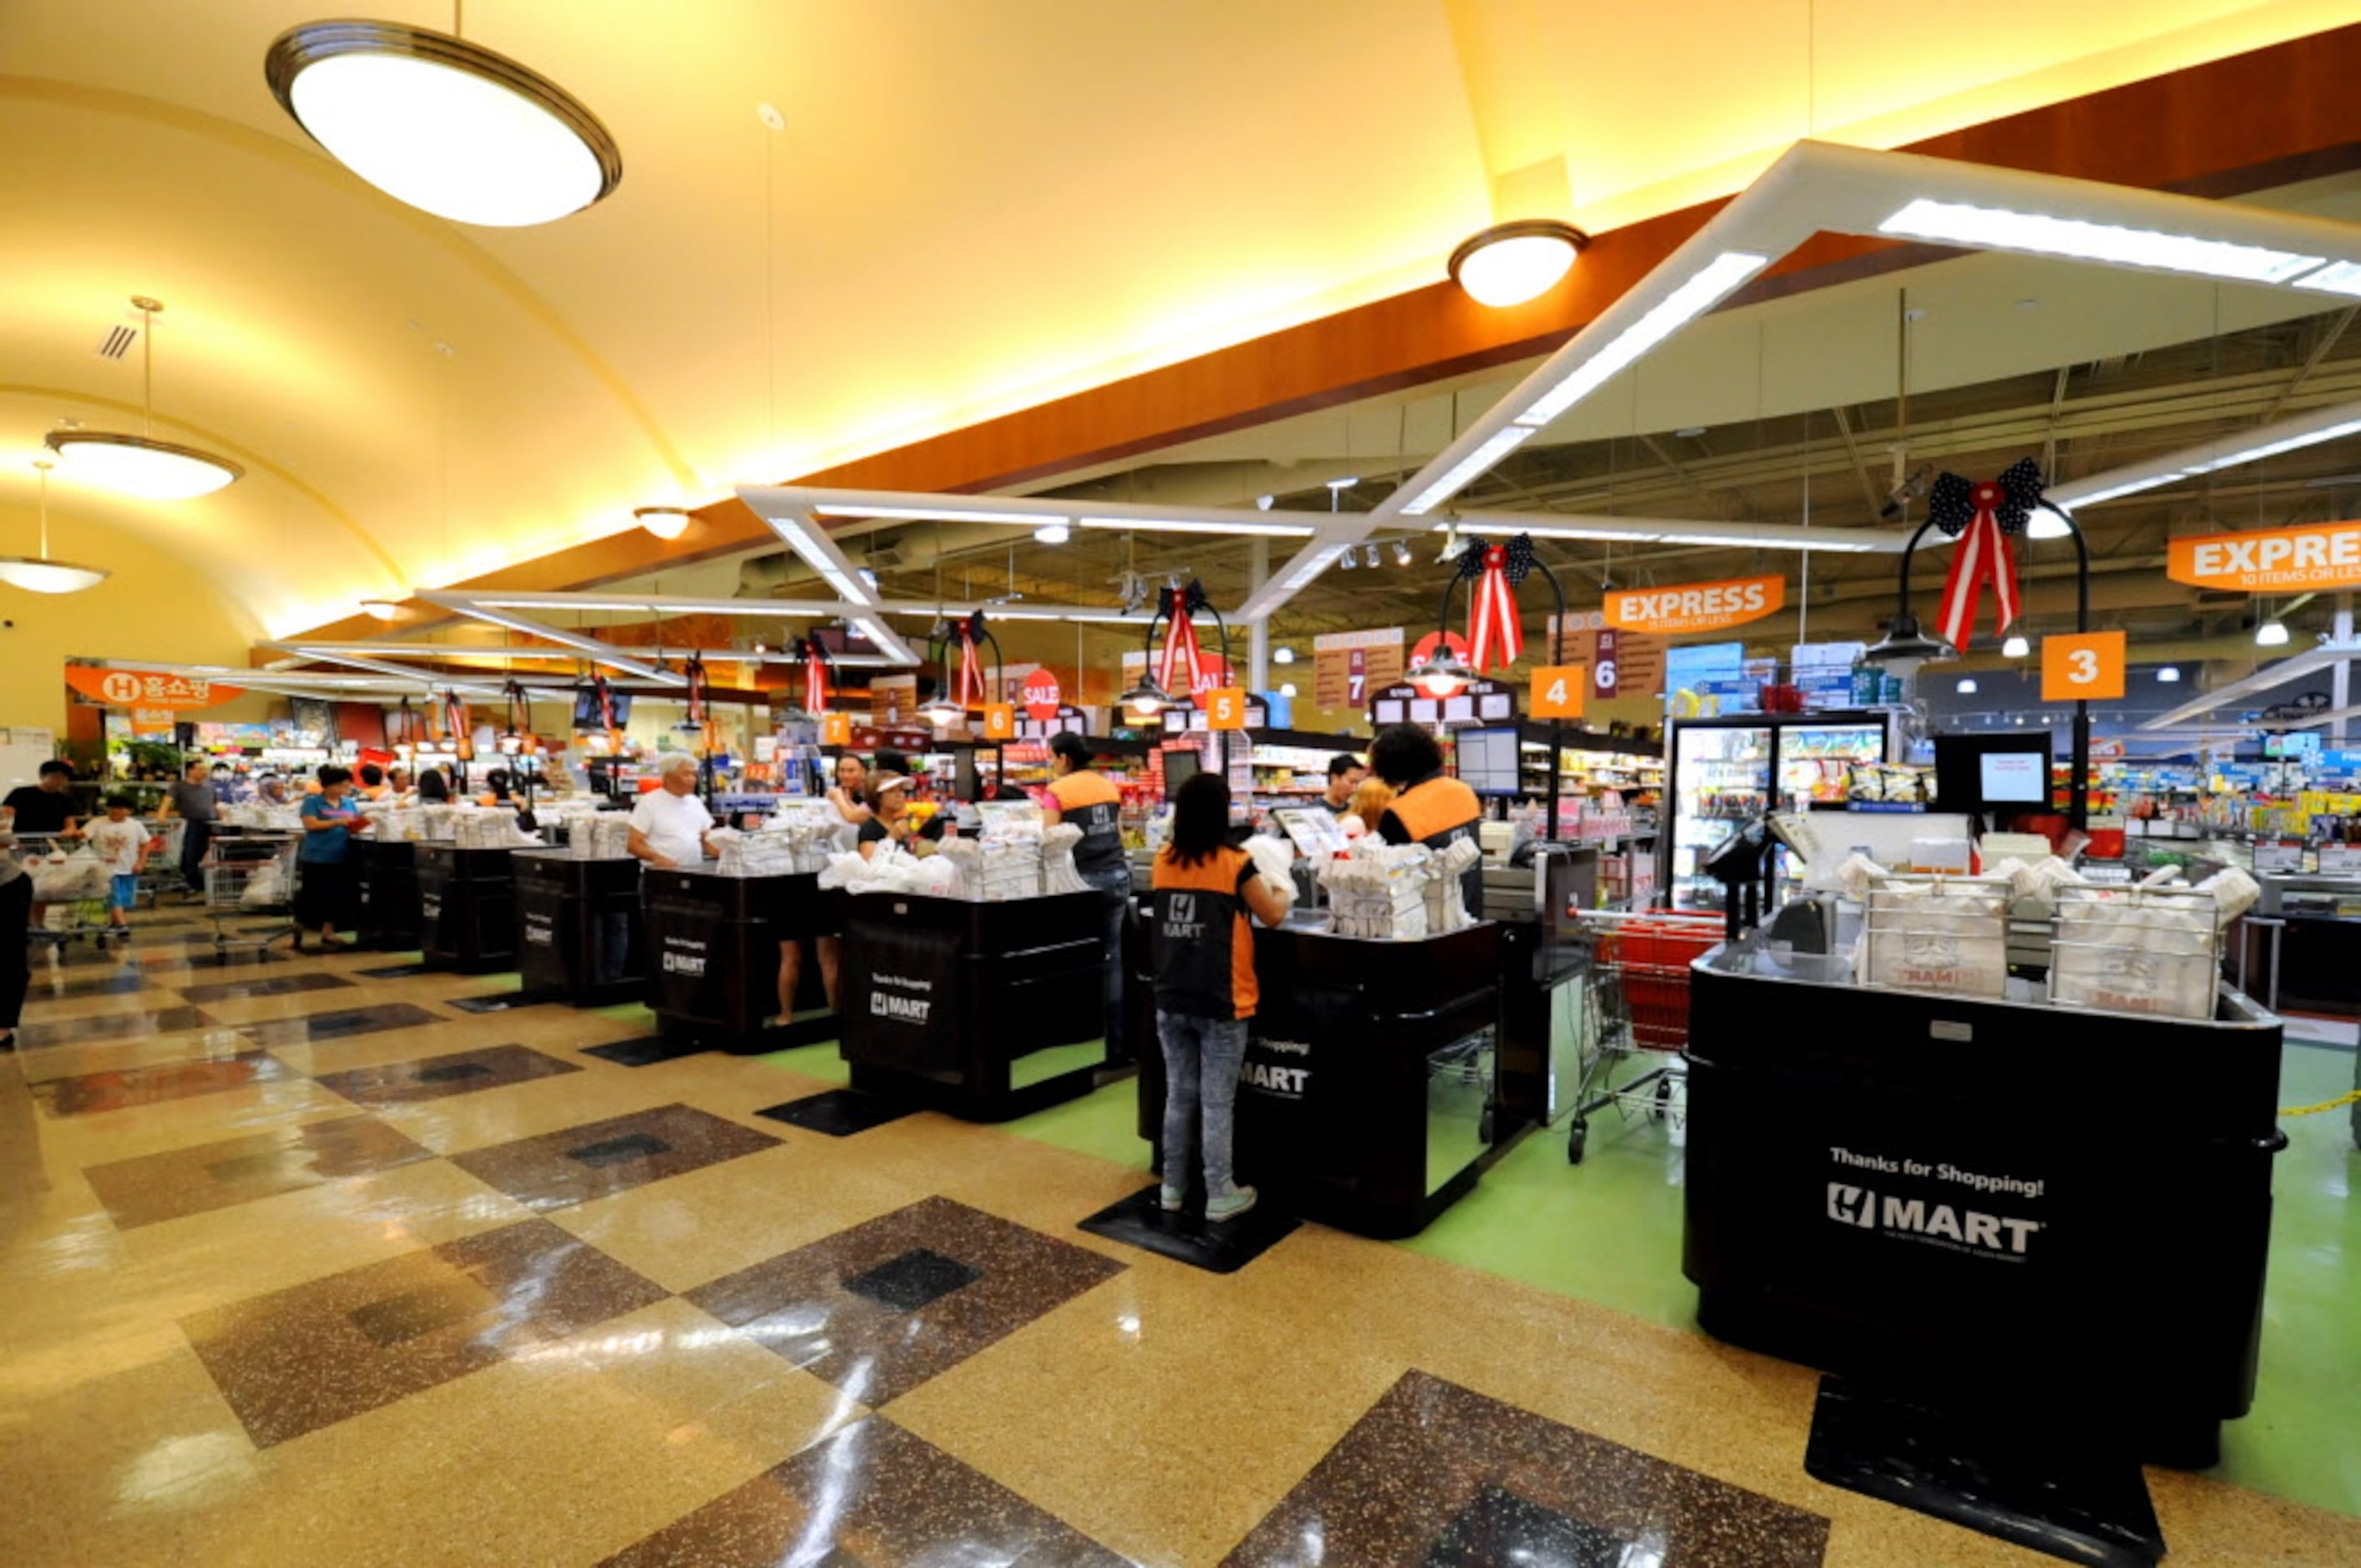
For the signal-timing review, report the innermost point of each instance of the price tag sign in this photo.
(836, 729)
(1558, 690)
(1226, 708)
(999, 720)
(2086, 667)
(2278, 855)
(2340, 860)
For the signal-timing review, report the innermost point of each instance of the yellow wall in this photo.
(154, 606)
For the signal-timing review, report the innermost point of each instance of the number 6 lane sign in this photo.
(2086, 667)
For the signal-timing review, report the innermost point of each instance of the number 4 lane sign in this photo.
(1558, 690)
(2086, 667)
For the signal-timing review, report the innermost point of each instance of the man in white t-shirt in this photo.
(669, 824)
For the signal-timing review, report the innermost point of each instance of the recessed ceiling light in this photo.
(443, 124)
(664, 522)
(1287, 688)
(1511, 263)
(380, 609)
(2170, 674)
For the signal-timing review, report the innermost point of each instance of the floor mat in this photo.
(840, 1113)
(1188, 1236)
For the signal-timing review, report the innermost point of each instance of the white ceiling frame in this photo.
(1816, 188)
(2262, 680)
(599, 652)
(549, 655)
(2250, 444)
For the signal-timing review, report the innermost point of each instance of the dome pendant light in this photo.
(140, 465)
(1511, 263)
(664, 522)
(42, 575)
(446, 126)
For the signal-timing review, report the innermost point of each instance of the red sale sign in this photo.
(1042, 696)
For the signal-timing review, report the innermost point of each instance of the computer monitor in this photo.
(1991, 772)
(586, 707)
(1487, 761)
(1181, 766)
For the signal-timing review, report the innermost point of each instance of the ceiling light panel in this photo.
(1245, 526)
(2038, 234)
(1704, 290)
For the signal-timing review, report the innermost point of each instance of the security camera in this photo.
(1908, 490)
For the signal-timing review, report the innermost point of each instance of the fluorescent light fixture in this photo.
(2336, 277)
(1018, 612)
(2271, 634)
(2273, 448)
(1282, 655)
(884, 639)
(1703, 290)
(441, 123)
(1994, 228)
(1496, 446)
(808, 539)
(2048, 524)
(934, 514)
(2170, 674)
(1200, 525)
(1052, 533)
(2017, 646)
(2329, 423)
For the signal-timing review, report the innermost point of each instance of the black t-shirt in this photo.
(39, 810)
(872, 831)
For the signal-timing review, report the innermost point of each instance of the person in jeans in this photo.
(193, 800)
(326, 893)
(1087, 798)
(1205, 989)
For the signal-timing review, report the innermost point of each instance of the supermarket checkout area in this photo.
(711, 938)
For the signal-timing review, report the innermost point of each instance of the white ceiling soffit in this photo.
(537, 655)
(2262, 680)
(1816, 188)
(599, 652)
(2225, 452)
(1680, 531)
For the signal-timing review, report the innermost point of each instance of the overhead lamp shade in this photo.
(47, 576)
(380, 609)
(1052, 533)
(140, 465)
(2017, 646)
(2168, 674)
(2271, 634)
(940, 710)
(1282, 655)
(1146, 699)
(443, 124)
(1443, 674)
(1511, 263)
(1905, 647)
(664, 522)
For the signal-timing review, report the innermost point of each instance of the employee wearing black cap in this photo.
(1431, 807)
(1087, 798)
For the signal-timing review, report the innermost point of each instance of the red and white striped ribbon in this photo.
(1495, 636)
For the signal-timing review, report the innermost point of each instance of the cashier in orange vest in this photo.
(1087, 798)
(1430, 807)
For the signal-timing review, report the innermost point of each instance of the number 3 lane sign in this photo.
(2087, 667)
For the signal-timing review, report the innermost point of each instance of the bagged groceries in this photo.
(1946, 933)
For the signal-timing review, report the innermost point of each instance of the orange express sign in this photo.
(2323, 555)
(1696, 607)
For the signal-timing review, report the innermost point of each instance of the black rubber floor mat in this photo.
(1187, 1236)
(506, 1000)
(840, 1113)
(2026, 1478)
(645, 1052)
(392, 972)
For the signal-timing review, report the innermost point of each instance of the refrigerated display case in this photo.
(1724, 771)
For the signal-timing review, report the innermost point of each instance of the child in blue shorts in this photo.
(123, 845)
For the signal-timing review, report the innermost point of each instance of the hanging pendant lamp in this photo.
(140, 465)
(443, 124)
(42, 575)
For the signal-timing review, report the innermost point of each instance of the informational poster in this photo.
(1348, 666)
(893, 699)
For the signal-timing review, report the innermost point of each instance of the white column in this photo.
(1259, 635)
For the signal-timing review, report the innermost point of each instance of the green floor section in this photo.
(629, 1013)
(821, 1061)
(1608, 1231)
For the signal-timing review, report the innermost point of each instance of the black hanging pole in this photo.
(2078, 783)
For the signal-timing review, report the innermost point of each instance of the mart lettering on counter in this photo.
(1696, 607)
(2316, 557)
(1909, 1210)
(1276, 1079)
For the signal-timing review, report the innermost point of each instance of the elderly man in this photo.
(669, 824)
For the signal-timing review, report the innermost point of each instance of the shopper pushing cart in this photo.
(121, 843)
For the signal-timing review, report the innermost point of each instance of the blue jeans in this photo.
(1115, 888)
(1201, 1057)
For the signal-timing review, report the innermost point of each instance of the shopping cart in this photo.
(69, 887)
(1636, 1016)
(250, 890)
(163, 872)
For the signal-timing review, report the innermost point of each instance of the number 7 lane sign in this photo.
(2086, 667)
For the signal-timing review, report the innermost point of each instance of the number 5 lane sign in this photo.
(2087, 667)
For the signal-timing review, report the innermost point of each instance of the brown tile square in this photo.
(432, 1078)
(84, 1095)
(342, 1025)
(263, 985)
(881, 1307)
(60, 986)
(112, 1027)
(308, 1357)
(1439, 1475)
(558, 1169)
(872, 1496)
(196, 1180)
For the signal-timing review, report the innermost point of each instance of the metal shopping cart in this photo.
(250, 889)
(69, 887)
(1636, 1016)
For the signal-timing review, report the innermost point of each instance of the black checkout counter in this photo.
(385, 878)
(1542, 962)
(713, 945)
(2060, 1213)
(577, 926)
(1368, 1097)
(467, 900)
(982, 1011)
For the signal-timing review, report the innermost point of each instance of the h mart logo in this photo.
(1966, 1230)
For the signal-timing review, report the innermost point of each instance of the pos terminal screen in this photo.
(1487, 761)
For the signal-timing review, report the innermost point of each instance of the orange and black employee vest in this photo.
(1091, 802)
(1437, 811)
(1205, 948)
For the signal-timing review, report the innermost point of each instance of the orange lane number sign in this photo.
(1226, 708)
(999, 720)
(2086, 667)
(1696, 607)
(1558, 690)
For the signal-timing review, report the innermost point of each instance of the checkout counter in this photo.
(577, 926)
(713, 945)
(1542, 962)
(467, 900)
(985, 1011)
(1998, 1200)
(385, 891)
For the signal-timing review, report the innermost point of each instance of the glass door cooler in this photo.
(1725, 771)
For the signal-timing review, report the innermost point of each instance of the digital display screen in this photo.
(1180, 766)
(1487, 761)
(2016, 778)
(586, 707)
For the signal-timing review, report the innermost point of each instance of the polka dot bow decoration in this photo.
(1495, 638)
(1984, 515)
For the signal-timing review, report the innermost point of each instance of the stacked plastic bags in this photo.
(64, 878)
(1398, 893)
